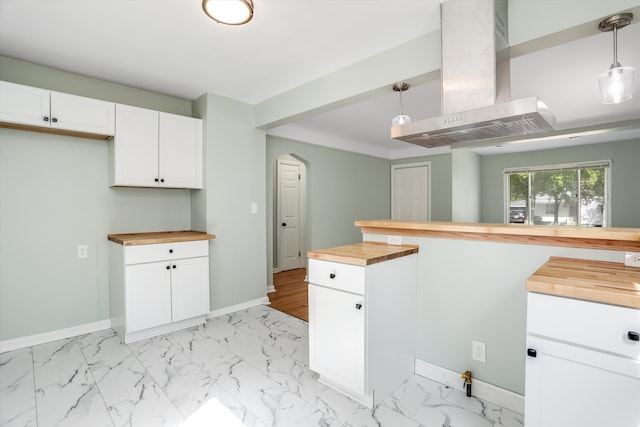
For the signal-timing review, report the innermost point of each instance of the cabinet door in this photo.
(337, 337)
(24, 104)
(134, 150)
(190, 288)
(568, 385)
(180, 142)
(82, 114)
(147, 296)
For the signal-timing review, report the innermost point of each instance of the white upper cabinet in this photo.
(30, 106)
(153, 149)
(134, 149)
(24, 104)
(180, 157)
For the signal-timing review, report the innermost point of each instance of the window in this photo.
(569, 194)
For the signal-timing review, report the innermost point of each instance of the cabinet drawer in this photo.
(139, 254)
(345, 277)
(600, 326)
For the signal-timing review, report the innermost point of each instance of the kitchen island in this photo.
(471, 287)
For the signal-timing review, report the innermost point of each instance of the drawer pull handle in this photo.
(633, 336)
(332, 276)
(358, 306)
(532, 352)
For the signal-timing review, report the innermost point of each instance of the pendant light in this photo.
(229, 12)
(616, 84)
(401, 118)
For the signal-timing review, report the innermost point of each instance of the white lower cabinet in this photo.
(362, 326)
(338, 336)
(158, 288)
(582, 365)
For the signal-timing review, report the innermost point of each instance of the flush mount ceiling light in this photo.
(401, 118)
(229, 12)
(616, 84)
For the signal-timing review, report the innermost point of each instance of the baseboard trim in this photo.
(45, 337)
(237, 307)
(482, 390)
(271, 289)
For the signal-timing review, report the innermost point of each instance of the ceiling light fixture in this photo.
(616, 84)
(401, 118)
(229, 12)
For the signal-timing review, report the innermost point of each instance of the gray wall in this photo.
(234, 153)
(54, 195)
(625, 175)
(343, 187)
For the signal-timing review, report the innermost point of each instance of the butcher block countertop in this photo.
(159, 237)
(363, 254)
(598, 281)
(612, 238)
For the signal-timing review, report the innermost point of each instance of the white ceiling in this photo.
(171, 47)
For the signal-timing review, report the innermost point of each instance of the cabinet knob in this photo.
(45, 118)
(54, 120)
(284, 224)
(532, 352)
(358, 306)
(332, 276)
(161, 179)
(156, 180)
(168, 267)
(170, 251)
(633, 336)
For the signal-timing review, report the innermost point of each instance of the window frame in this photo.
(605, 164)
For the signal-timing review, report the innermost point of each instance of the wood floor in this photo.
(291, 293)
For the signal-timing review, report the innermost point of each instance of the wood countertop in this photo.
(598, 281)
(611, 238)
(363, 254)
(159, 237)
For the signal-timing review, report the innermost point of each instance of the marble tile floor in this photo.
(248, 368)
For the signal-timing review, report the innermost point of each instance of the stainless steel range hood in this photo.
(476, 105)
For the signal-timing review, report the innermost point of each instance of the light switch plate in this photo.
(394, 240)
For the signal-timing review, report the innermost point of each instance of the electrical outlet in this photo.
(632, 259)
(394, 240)
(479, 351)
(83, 251)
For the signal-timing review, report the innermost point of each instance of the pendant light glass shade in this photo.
(229, 12)
(400, 119)
(616, 84)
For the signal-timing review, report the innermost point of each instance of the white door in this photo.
(410, 192)
(568, 385)
(189, 288)
(135, 147)
(147, 295)
(180, 151)
(337, 336)
(82, 114)
(288, 201)
(24, 104)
